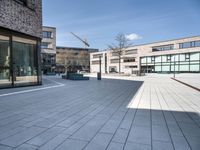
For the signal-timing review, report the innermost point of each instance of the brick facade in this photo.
(22, 18)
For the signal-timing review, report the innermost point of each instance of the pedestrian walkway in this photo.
(150, 114)
(191, 79)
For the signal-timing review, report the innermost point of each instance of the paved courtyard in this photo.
(193, 79)
(147, 113)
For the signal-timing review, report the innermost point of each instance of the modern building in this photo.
(180, 55)
(20, 40)
(73, 59)
(48, 52)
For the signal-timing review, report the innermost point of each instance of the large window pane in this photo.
(164, 58)
(166, 68)
(143, 60)
(148, 59)
(47, 34)
(176, 68)
(185, 45)
(197, 43)
(5, 77)
(194, 67)
(157, 68)
(194, 56)
(158, 59)
(182, 57)
(163, 48)
(174, 57)
(184, 68)
(25, 64)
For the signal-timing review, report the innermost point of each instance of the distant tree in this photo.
(118, 49)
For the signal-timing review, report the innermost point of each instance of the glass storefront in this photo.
(24, 59)
(5, 77)
(186, 62)
(19, 62)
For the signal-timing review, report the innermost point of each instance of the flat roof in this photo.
(166, 41)
(155, 42)
(49, 27)
(76, 48)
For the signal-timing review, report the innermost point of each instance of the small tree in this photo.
(119, 47)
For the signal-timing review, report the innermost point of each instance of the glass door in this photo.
(5, 76)
(25, 61)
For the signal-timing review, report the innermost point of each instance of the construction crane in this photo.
(84, 41)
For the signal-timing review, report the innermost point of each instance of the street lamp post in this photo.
(99, 73)
(174, 68)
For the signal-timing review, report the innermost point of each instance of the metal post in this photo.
(100, 64)
(147, 69)
(99, 73)
(174, 68)
(119, 64)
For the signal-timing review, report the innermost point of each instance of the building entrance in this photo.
(5, 77)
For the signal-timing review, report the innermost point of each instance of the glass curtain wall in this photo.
(24, 60)
(19, 60)
(187, 62)
(5, 77)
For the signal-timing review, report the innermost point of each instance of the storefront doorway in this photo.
(5, 76)
(19, 60)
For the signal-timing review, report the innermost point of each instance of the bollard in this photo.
(98, 76)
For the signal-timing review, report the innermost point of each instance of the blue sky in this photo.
(99, 21)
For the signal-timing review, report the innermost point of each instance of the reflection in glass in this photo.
(158, 59)
(194, 67)
(143, 60)
(194, 56)
(187, 62)
(158, 68)
(184, 67)
(25, 68)
(5, 79)
(166, 68)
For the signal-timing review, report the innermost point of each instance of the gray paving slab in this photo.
(72, 129)
(180, 143)
(148, 113)
(121, 135)
(55, 142)
(26, 147)
(193, 142)
(190, 79)
(11, 119)
(136, 146)
(45, 136)
(115, 146)
(99, 142)
(88, 131)
(11, 132)
(22, 137)
(158, 145)
(160, 133)
(140, 134)
(72, 144)
(3, 147)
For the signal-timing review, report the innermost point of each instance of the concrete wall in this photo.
(124, 65)
(21, 18)
(52, 41)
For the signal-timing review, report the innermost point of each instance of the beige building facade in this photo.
(180, 55)
(73, 59)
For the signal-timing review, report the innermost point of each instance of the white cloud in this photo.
(133, 36)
